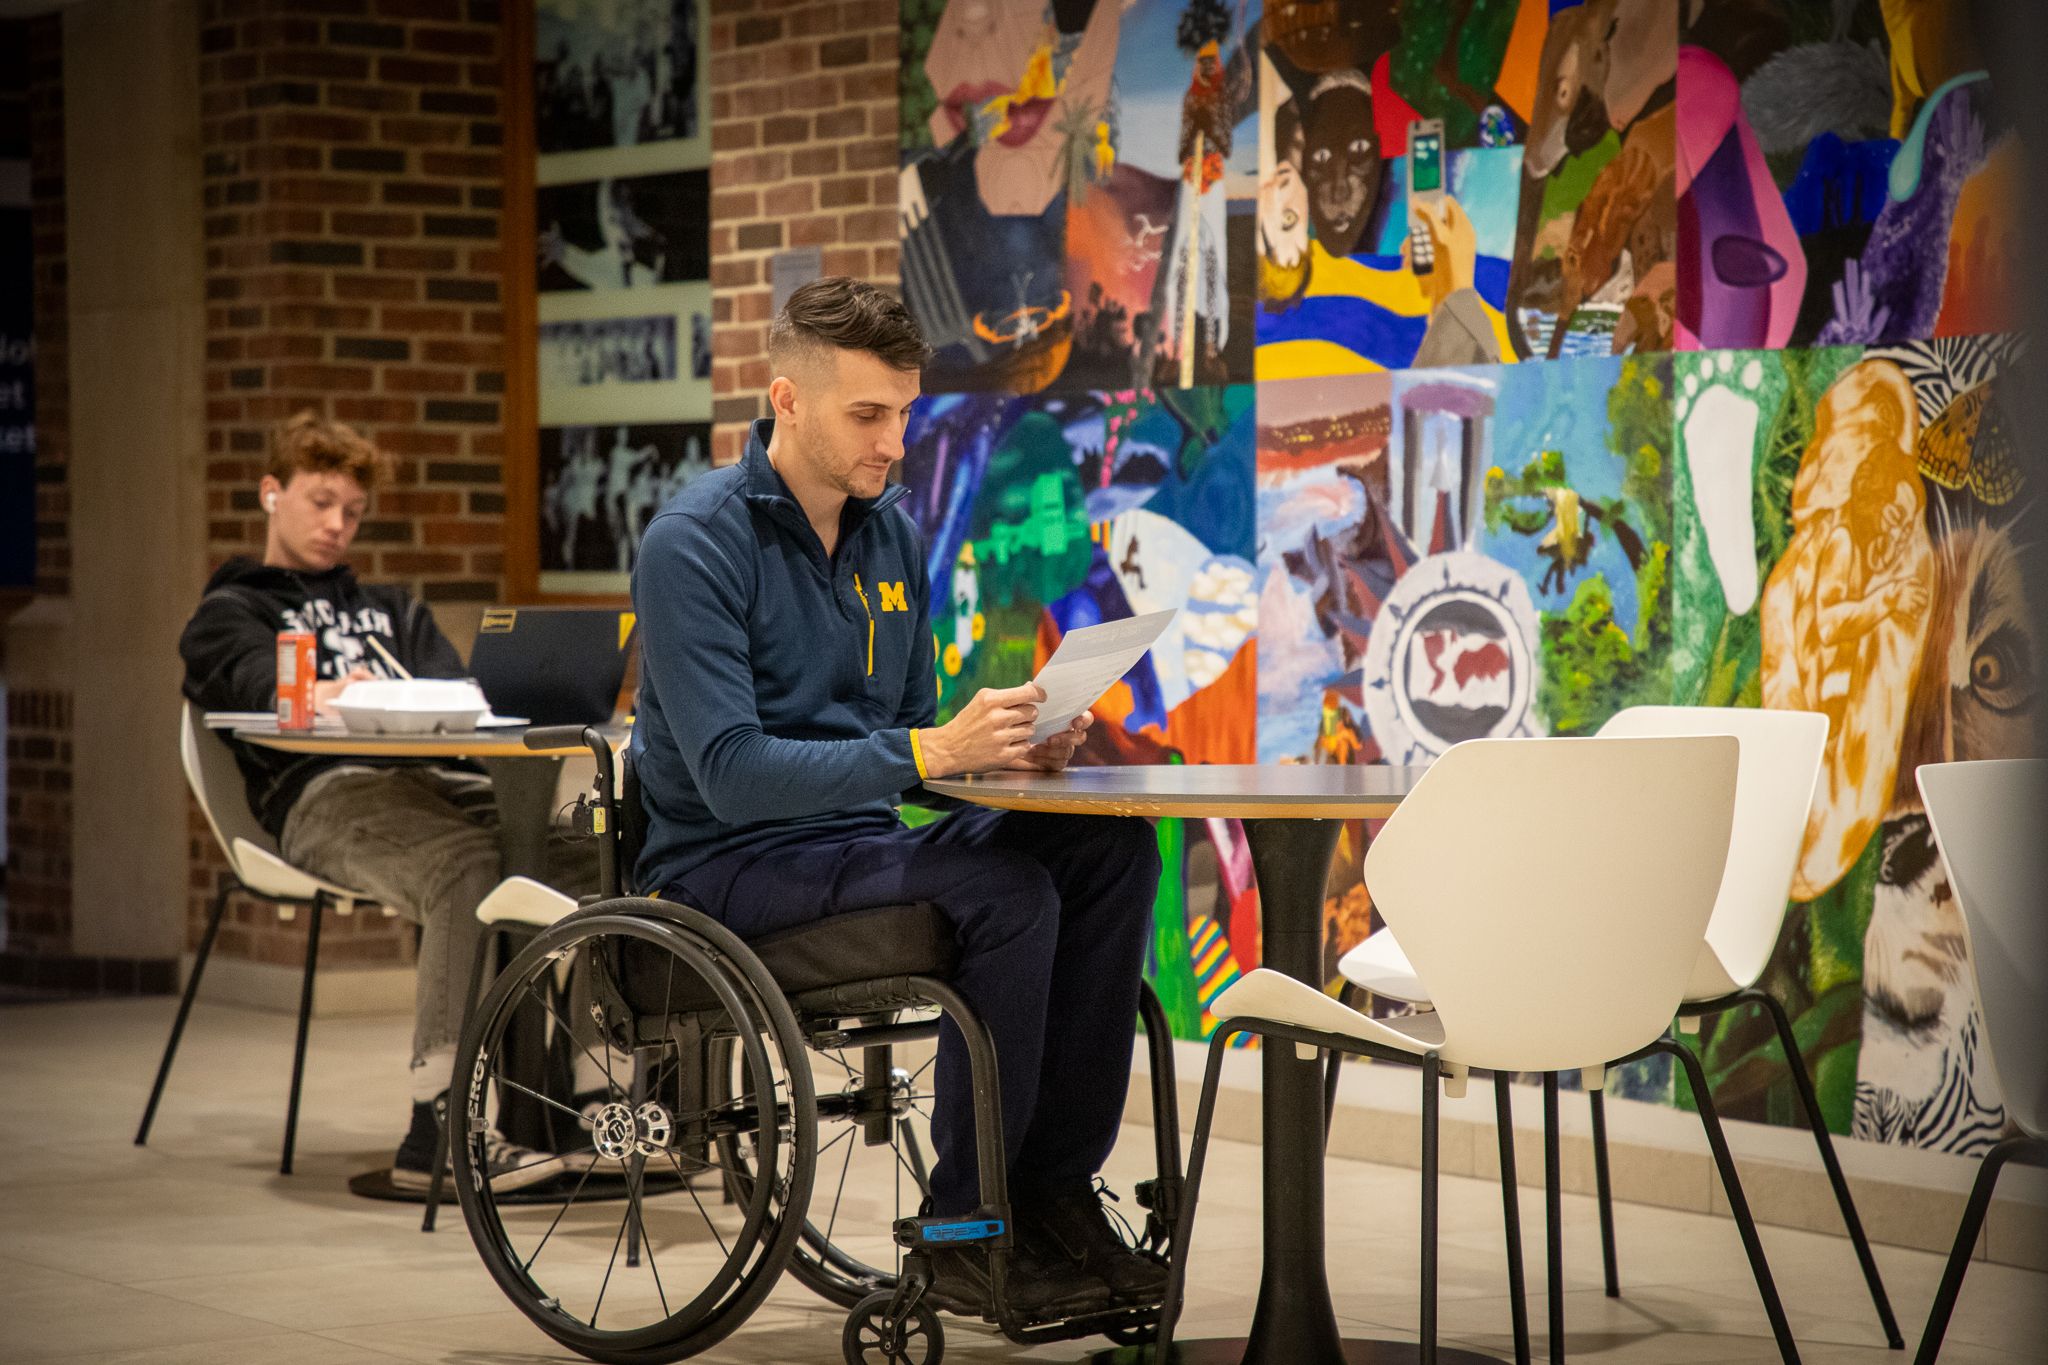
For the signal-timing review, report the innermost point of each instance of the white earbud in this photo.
(270, 503)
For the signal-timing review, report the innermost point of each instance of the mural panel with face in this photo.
(1342, 165)
(1005, 77)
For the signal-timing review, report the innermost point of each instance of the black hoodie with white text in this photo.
(230, 653)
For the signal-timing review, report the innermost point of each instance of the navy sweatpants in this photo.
(1052, 914)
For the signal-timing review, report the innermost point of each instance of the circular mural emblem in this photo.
(1452, 657)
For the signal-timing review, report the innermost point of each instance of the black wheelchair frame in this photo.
(784, 987)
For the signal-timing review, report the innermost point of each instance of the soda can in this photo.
(298, 669)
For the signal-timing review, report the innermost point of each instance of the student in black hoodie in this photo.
(417, 835)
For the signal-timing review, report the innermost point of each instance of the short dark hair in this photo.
(847, 315)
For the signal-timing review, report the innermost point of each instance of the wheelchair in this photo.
(724, 1111)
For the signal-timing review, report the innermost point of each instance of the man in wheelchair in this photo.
(787, 705)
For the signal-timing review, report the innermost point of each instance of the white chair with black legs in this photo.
(1541, 958)
(1988, 818)
(1781, 757)
(256, 868)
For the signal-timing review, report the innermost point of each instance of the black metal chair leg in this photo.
(1604, 1191)
(1184, 1226)
(636, 1165)
(1810, 1102)
(291, 1112)
(1355, 997)
(1738, 1205)
(484, 944)
(1511, 1215)
(163, 1070)
(1553, 1219)
(1966, 1242)
(1426, 1316)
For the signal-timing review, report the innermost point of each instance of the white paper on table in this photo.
(238, 720)
(1088, 663)
(257, 720)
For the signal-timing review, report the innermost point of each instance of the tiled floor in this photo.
(196, 1250)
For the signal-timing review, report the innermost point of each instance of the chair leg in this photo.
(1553, 1218)
(1738, 1205)
(1511, 1215)
(484, 944)
(1966, 1243)
(163, 1070)
(291, 1112)
(636, 1166)
(1355, 997)
(1604, 1190)
(1184, 1226)
(1426, 1318)
(1810, 1102)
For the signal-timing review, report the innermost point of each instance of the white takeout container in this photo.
(411, 706)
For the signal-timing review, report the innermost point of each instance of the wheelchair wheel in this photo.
(641, 1248)
(868, 1338)
(874, 1153)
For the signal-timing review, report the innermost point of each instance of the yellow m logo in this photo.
(892, 597)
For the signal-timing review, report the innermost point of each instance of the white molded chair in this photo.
(1988, 817)
(1781, 758)
(1540, 958)
(254, 867)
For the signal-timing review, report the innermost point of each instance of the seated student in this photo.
(786, 706)
(418, 835)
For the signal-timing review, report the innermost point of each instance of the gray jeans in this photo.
(423, 841)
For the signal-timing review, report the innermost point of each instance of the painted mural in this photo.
(1078, 189)
(1486, 368)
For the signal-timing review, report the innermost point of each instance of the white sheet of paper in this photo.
(1088, 663)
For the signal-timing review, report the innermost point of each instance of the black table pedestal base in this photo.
(1231, 1351)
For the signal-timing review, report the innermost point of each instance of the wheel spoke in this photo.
(638, 1187)
(700, 1205)
(541, 1161)
(606, 1284)
(558, 1216)
(605, 1066)
(839, 1194)
(507, 1081)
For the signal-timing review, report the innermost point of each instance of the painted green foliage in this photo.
(916, 101)
(1594, 665)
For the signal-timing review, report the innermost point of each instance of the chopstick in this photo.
(392, 663)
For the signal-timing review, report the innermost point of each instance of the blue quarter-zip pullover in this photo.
(779, 688)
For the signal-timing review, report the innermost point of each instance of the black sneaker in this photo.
(1038, 1289)
(508, 1165)
(1074, 1225)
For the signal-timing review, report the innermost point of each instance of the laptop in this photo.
(552, 665)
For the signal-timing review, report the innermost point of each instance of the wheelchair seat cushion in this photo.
(884, 942)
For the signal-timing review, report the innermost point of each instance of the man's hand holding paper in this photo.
(1039, 726)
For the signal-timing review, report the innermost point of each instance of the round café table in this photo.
(524, 782)
(1292, 816)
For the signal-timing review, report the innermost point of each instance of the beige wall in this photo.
(137, 468)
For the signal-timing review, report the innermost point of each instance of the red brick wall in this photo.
(38, 822)
(353, 187)
(803, 134)
(352, 173)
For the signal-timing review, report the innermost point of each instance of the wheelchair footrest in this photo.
(985, 1228)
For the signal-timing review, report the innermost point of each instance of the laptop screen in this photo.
(552, 665)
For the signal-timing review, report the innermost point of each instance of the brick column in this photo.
(803, 136)
(353, 218)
